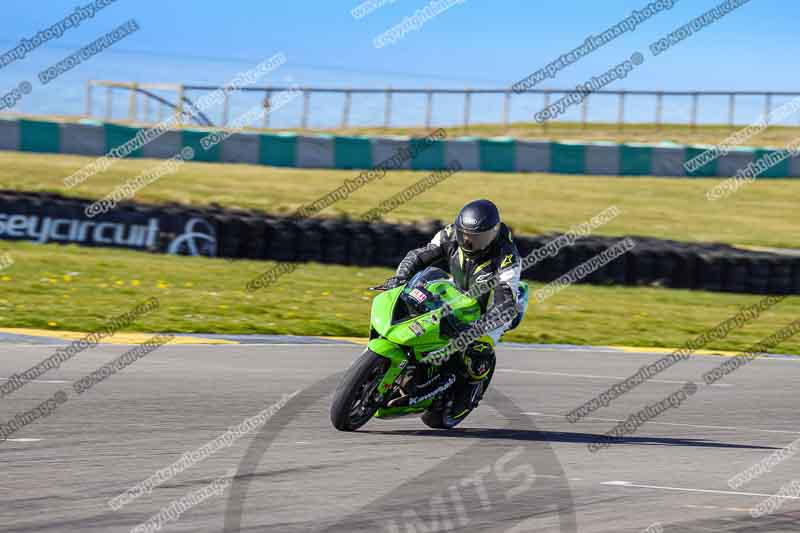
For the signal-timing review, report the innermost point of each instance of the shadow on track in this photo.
(778, 523)
(560, 436)
(419, 500)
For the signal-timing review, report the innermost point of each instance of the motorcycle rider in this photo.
(476, 248)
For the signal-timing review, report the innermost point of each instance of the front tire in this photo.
(353, 404)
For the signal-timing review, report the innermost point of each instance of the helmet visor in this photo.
(476, 241)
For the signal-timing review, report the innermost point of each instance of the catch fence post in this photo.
(387, 109)
(659, 109)
(467, 105)
(546, 105)
(346, 109)
(89, 88)
(133, 100)
(267, 100)
(584, 112)
(109, 101)
(428, 110)
(506, 111)
(767, 107)
(731, 110)
(179, 108)
(306, 106)
(226, 108)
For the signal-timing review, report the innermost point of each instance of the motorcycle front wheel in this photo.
(354, 401)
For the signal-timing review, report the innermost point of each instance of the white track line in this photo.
(562, 349)
(734, 509)
(683, 489)
(277, 345)
(700, 426)
(590, 376)
(23, 440)
(40, 380)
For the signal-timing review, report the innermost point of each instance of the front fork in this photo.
(399, 361)
(397, 357)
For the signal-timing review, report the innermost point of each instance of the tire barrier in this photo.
(46, 217)
(335, 243)
(311, 240)
(283, 240)
(255, 238)
(666, 263)
(499, 154)
(242, 234)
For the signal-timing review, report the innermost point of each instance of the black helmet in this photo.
(477, 226)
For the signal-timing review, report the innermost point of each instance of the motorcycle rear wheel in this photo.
(444, 418)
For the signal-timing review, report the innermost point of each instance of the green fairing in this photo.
(393, 340)
(382, 307)
(405, 329)
(462, 308)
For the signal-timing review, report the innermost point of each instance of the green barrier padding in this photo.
(635, 160)
(191, 138)
(780, 170)
(496, 155)
(278, 150)
(38, 136)
(352, 152)
(709, 170)
(118, 136)
(567, 158)
(430, 155)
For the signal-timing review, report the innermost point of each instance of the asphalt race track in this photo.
(516, 465)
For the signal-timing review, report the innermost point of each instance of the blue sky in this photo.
(478, 43)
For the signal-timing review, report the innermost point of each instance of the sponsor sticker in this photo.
(418, 295)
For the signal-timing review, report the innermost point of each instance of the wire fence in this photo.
(329, 107)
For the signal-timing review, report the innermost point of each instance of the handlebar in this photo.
(378, 288)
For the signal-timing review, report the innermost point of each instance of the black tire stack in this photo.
(246, 234)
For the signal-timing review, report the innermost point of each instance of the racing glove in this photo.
(391, 283)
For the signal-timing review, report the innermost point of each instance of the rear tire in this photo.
(351, 407)
(439, 419)
(444, 419)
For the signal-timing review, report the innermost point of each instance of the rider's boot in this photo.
(478, 361)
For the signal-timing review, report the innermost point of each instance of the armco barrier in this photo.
(501, 154)
(235, 233)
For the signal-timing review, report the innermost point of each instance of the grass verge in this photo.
(763, 213)
(71, 288)
(773, 136)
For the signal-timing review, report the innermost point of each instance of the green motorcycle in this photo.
(410, 325)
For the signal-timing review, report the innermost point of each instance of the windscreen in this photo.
(423, 293)
(432, 288)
